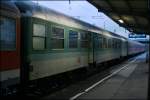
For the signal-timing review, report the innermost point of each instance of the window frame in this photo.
(84, 40)
(15, 20)
(110, 40)
(45, 37)
(100, 40)
(105, 43)
(60, 27)
(78, 37)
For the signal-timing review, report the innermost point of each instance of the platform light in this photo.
(121, 21)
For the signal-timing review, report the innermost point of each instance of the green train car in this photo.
(53, 43)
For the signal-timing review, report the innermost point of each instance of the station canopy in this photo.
(131, 14)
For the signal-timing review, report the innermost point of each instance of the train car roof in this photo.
(34, 10)
(9, 6)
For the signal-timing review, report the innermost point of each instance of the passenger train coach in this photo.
(51, 44)
(9, 45)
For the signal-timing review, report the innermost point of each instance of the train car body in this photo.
(109, 47)
(55, 43)
(9, 44)
(135, 47)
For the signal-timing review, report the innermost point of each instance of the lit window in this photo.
(39, 37)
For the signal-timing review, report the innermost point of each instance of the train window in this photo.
(39, 37)
(113, 43)
(84, 40)
(116, 43)
(104, 42)
(39, 30)
(119, 43)
(100, 41)
(38, 43)
(7, 34)
(73, 39)
(110, 43)
(96, 41)
(57, 38)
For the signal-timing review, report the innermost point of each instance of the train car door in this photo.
(91, 52)
(90, 49)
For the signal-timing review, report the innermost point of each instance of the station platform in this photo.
(128, 82)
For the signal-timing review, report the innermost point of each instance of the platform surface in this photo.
(130, 83)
